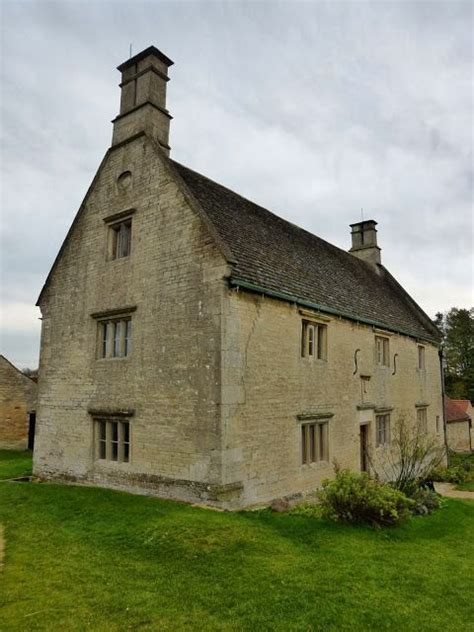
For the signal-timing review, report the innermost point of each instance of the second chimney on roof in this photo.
(364, 241)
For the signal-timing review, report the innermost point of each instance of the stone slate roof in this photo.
(283, 259)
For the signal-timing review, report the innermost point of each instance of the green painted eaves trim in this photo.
(253, 287)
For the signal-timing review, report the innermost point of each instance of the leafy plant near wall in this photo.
(358, 498)
(412, 456)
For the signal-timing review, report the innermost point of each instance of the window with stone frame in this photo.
(314, 340)
(121, 239)
(112, 440)
(382, 351)
(314, 442)
(119, 234)
(422, 420)
(115, 337)
(382, 429)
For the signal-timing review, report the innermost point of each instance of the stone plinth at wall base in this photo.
(198, 493)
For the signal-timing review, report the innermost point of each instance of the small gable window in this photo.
(314, 340)
(120, 239)
(119, 234)
(382, 351)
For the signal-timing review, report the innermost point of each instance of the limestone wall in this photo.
(459, 436)
(17, 400)
(170, 383)
(267, 384)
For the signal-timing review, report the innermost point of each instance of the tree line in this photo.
(457, 327)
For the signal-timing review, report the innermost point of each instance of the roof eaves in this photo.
(252, 287)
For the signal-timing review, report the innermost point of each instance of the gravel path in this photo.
(449, 490)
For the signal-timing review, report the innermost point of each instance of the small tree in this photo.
(413, 454)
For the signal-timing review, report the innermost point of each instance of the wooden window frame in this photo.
(382, 351)
(382, 429)
(119, 235)
(314, 340)
(112, 439)
(114, 337)
(314, 442)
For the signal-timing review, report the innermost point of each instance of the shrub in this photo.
(425, 501)
(358, 498)
(412, 455)
(456, 474)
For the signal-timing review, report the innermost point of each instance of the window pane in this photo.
(105, 330)
(114, 430)
(102, 430)
(102, 449)
(312, 444)
(303, 444)
(128, 337)
(310, 340)
(117, 328)
(126, 432)
(321, 330)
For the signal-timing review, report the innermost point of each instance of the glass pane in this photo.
(128, 337)
(105, 330)
(321, 332)
(303, 444)
(102, 430)
(102, 449)
(126, 432)
(114, 430)
(117, 331)
(114, 451)
(312, 444)
(310, 340)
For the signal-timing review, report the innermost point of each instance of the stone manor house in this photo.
(196, 346)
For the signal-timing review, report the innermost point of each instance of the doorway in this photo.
(364, 448)
(31, 430)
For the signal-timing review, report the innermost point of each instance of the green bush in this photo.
(425, 501)
(457, 474)
(358, 498)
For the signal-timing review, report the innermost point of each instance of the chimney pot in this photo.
(364, 241)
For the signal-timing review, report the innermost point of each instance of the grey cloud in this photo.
(312, 109)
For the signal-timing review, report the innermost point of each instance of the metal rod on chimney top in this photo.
(130, 50)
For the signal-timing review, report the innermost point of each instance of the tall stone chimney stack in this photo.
(364, 241)
(143, 98)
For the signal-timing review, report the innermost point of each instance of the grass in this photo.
(467, 486)
(81, 558)
(14, 464)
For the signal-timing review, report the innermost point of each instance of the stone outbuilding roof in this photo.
(276, 257)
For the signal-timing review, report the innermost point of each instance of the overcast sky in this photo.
(312, 109)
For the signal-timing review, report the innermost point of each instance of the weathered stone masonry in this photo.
(215, 388)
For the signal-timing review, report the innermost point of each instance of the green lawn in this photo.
(81, 558)
(467, 486)
(14, 464)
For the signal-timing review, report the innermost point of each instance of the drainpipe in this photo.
(443, 394)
